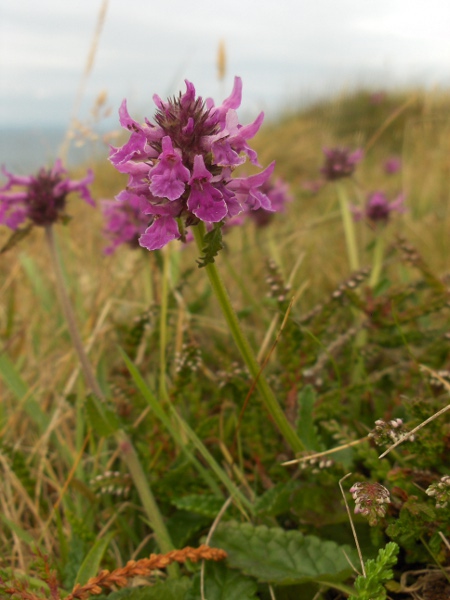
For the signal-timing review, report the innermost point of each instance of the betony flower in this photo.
(180, 167)
(42, 199)
(279, 195)
(124, 222)
(378, 208)
(340, 162)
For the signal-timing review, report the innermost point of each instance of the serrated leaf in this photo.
(223, 584)
(91, 563)
(212, 245)
(306, 429)
(378, 571)
(281, 557)
(208, 506)
(102, 420)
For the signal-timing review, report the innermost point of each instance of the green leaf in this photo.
(223, 584)
(281, 557)
(306, 429)
(378, 571)
(91, 564)
(20, 389)
(102, 419)
(208, 506)
(213, 245)
(172, 589)
(17, 236)
(41, 289)
(21, 533)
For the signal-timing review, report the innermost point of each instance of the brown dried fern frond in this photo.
(107, 580)
(142, 568)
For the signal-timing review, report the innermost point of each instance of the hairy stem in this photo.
(349, 228)
(268, 397)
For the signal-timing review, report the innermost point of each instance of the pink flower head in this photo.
(340, 162)
(40, 198)
(370, 500)
(181, 165)
(378, 208)
(392, 165)
(124, 221)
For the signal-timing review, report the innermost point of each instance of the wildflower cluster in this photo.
(378, 208)
(42, 199)
(124, 222)
(340, 162)
(370, 500)
(180, 167)
(389, 432)
(440, 491)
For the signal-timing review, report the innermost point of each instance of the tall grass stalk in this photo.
(377, 265)
(270, 402)
(128, 452)
(349, 228)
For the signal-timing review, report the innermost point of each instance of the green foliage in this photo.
(306, 429)
(223, 584)
(100, 417)
(208, 506)
(281, 557)
(167, 590)
(212, 245)
(348, 354)
(91, 563)
(277, 500)
(378, 572)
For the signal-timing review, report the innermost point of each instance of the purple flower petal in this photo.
(160, 233)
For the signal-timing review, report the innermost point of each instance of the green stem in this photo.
(349, 228)
(128, 452)
(247, 354)
(163, 394)
(377, 265)
(69, 315)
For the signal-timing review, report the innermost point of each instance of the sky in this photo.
(287, 52)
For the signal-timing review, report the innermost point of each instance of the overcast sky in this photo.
(284, 50)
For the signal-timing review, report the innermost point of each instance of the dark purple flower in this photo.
(180, 166)
(378, 208)
(340, 162)
(124, 221)
(42, 199)
(392, 165)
